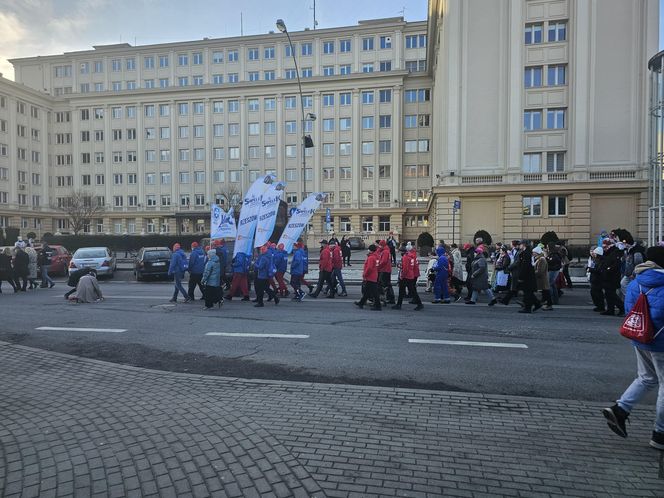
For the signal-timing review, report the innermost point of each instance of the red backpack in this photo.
(637, 325)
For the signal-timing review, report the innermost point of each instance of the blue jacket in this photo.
(297, 265)
(281, 260)
(263, 265)
(647, 279)
(197, 261)
(178, 262)
(222, 254)
(212, 272)
(305, 261)
(241, 263)
(442, 264)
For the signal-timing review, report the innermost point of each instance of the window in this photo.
(555, 162)
(269, 75)
(385, 146)
(150, 156)
(218, 107)
(290, 102)
(164, 132)
(367, 123)
(233, 78)
(233, 56)
(184, 200)
(219, 176)
(385, 66)
(423, 145)
(344, 149)
(99, 158)
(183, 59)
(199, 108)
(219, 153)
(149, 111)
(328, 149)
(533, 33)
(368, 198)
(367, 172)
(555, 119)
(532, 206)
(117, 157)
(234, 152)
(306, 48)
(328, 100)
(98, 67)
(270, 127)
(132, 178)
(345, 69)
(165, 155)
(556, 75)
(150, 178)
(345, 173)
(148, 62)
(131, 111)
(183, 132)
(291, 127)
(183, 81)
(416, 41)
(270, 152)
(149, 134)
(233, 106)
(557, 31)
(344, 124)
(328, 173)
(368, 97)
(328, 47)
(557, 206)
(367, 221)
(417, 66)
(183, 155)
(410, 121)
(148, 83)
(385, 121)
(385, 96)
(532, 163)
(99, 179)
(385, 42)
(217, 57)
(368, 43)
(117, 179)
(163, 60)
(233, 129)
(253, 75)
(384, 221)
(217, 79)
(253, 105)
(328, 70)
(532, 120)
(532, 77)
(199, 154)
(367, 148)
(291, 150)
(198, 80)
(367, 67)
(290, 74)
(345, 98)
(255, 128)
(307, 101)
(252, 54)
(85, 67)
(269, 104)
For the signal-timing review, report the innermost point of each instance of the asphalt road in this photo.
(568, 353)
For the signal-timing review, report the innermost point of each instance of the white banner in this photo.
(222, 224)
(267, 214)
(299, 220)
(246, 225)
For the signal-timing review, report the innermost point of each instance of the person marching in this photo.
(263, 270)
(410, 271)
(527, 280)
(196, 268)
(177, 267)
(337, 265)
(211, 279)
(240, 282)
(281, 263)
(325, 268)
(441, 291)
(297, 270)
(222, 253)
(370, 289)
(542, 277)
(385, 272)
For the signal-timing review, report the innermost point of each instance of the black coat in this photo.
(609, 267)
(21, 263)
(527, 280)
(6, 272)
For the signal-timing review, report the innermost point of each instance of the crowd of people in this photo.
(25, 267)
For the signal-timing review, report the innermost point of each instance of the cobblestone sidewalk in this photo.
(71, 426)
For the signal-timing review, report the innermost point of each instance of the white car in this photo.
(100, 259)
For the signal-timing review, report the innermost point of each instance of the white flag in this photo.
(222, 224)
(299, 220)
(267, 214)
(246, 225)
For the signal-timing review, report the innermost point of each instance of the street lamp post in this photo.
(307, 142)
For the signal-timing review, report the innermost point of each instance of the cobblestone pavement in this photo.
(72, 426)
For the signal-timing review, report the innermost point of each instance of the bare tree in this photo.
(80, 207)
(231, 195)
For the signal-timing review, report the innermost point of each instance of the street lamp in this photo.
(307, 141)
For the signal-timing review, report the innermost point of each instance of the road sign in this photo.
(328, 215)
(457, 205)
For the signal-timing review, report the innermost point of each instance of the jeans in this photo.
(553, 275)
(476, 294)
(46, 280)
(650, 370)
(178, 286)
(336, 274)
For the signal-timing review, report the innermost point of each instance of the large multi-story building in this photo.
(531, 112)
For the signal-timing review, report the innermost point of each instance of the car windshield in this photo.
(90, 253)
(152, 255)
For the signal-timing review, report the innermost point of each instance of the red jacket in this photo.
(410, 267)
(337, 261)
(370, 272)
(385, 261)
(325, 262)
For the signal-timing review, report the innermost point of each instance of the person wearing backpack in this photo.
(176, 268)
(649, 281)
(196, 267)
(264, 271)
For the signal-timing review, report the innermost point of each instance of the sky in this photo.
(45, 27)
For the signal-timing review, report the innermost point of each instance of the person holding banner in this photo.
(263, 270)
(222, 254)
(240, 282)
(297, 271)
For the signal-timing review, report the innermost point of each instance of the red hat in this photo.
(280, 246)
(273, 245)
(194, 244)
(383, 243)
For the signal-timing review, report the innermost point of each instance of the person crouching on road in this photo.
(211, 279)
(297, 270)
(370, 287)
(385, 272)
(281, 262)
(263, 265)
(87, 289)
(196, 267)
(176, 268)
(441, 291)
(649, 357)
(73, 279)
(410, 271)
(240, 282)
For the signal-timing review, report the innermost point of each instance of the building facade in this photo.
(533, 113)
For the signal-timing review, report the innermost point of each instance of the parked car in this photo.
(152, 262)
(60, 259)
(356, 243)
(100, 259)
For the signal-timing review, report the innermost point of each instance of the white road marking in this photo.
(469, 343)
(77, 329)
(271, 336)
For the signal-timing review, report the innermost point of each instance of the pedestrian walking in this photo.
(240, 282)
(441, 292)
(595, 278)
(370, 286)
(297, 271)
(324, 270)
(385, 271)
(392, 244)
(555, 264)
(44, 261)
(345, 250)
(21, 268)
(176, 269)
(6, 270)
(470, 255)
(221, 250)
(264, 270)
(513, 270)
(281, 263)
(542, 277)
(196, 266)
(457, 271)
(211, 279)
(527, 281)
(609, 269)
(410, 271)
(480, 278)
(649, 357)
(337, 265)
(32, 266)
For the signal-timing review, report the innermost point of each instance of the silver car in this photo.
(100, 259)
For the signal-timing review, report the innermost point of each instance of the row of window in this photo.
(556, 76)
(555, 119)
(556, 32)
(233, 55)
(20, 107)
(555, 162)
(557, 206)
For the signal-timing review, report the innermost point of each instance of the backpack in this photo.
(637, 324)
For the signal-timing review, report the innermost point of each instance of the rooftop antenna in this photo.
(403, 12)
(315, 21)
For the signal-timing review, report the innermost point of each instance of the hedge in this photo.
(119, 243)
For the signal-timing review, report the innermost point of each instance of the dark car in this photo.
(152, 262)
(356, 243)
